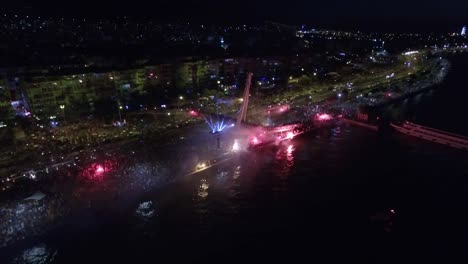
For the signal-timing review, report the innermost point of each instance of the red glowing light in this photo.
(99, 169)
(193, 113)
(290, 135)
(255, 140)
(324, 117)
(389, 94)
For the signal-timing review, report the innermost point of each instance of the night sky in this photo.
(392, 14)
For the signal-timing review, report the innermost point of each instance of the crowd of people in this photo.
(104, 179)
(21, 219)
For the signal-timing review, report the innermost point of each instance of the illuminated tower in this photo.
(463, 32)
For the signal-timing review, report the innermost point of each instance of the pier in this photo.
(434, 135)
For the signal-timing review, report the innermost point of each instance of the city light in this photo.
(31, 175)
(200, 166)
(235, 146)
(86, 157)
(324, 117)
(410, 53)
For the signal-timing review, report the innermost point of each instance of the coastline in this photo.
(166, 168)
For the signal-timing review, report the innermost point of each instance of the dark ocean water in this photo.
(444, 107)
(341, 195)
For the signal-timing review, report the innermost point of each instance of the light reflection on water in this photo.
(203, 188)
(41, 254)
(263, 192)
(236, 172)
(146, 210)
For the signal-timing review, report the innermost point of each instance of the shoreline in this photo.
(167, 179)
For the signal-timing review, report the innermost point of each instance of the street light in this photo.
(178, 102)
(62, 106)
(120, 116)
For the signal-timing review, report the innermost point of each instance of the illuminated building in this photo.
(195, 74)
(463, 31)
(46, 93)
(45, 90)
